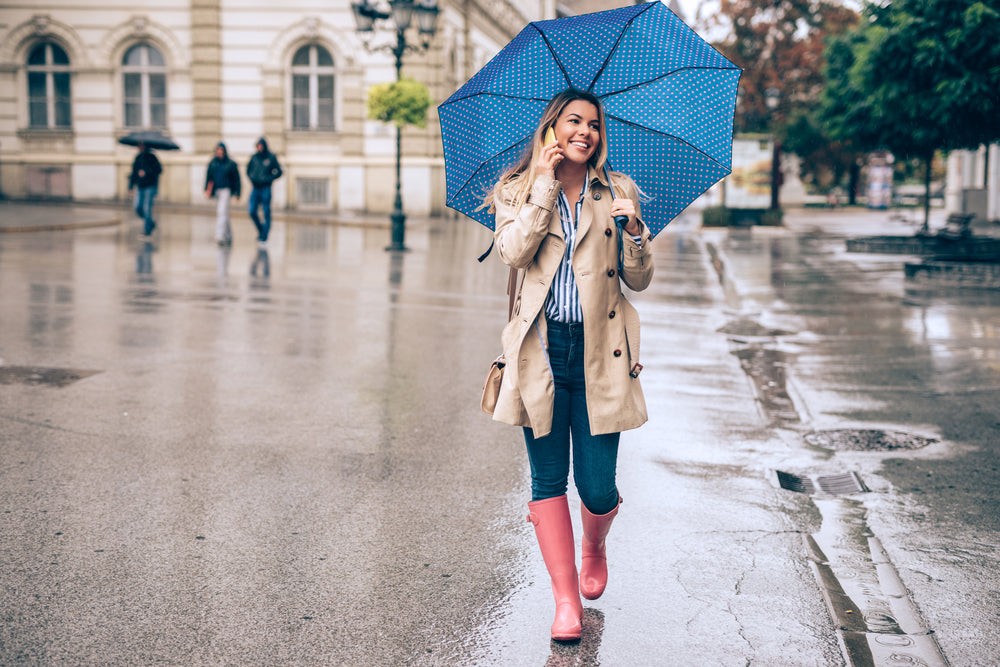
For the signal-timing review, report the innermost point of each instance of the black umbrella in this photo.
(151, 138)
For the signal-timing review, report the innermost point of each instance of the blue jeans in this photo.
(261, 198)
(594, 457)
(144, 207)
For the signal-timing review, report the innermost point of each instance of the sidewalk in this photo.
(36, 216)
(24, 215)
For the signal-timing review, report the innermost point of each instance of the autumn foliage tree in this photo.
(779, 44)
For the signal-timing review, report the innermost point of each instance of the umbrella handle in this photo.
(620, 222)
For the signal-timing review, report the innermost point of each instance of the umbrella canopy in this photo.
(151, 138)
(668, 95)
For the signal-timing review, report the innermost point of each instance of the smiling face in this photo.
(578, 131)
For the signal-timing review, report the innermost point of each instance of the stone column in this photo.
(206, 73)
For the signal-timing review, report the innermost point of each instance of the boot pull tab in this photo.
(532, 518)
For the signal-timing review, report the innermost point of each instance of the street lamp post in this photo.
(772, 97)
(402, 13)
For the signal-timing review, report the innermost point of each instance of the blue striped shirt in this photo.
(563, 302)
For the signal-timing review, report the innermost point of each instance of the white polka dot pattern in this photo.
(669, 98)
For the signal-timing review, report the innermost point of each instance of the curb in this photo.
(61, 227)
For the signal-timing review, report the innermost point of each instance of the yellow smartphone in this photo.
(550, 136)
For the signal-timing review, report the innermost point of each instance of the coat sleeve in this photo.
(234, 179)
(519, 232)
(637, 263)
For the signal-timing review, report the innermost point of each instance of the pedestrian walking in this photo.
(222, 181)
(571, 381)
(262, 170)
(145, 179)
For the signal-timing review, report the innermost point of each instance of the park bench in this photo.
(956, 227)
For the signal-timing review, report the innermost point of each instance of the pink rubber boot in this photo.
(593, 559)
(554, 531)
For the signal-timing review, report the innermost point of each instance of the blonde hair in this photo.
(517, 181)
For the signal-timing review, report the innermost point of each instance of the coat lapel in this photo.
(587, 210)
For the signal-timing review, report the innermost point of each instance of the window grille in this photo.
(312, 191)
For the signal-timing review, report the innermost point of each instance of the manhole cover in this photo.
(36, 375)
(863, 440)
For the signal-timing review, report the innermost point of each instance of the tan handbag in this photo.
(494, 377)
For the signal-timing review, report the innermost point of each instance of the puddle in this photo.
(37, 375)
(766, 369)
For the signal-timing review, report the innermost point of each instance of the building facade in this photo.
(974, 182)
(74, 78)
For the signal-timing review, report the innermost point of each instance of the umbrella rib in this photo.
(496, 94)
(664, 76)
(554, 56)
(482, 164)
(611, 51)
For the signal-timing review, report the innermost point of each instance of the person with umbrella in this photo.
(145, 179)
(222, 181)
(573, 338)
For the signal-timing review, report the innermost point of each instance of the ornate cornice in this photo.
(138, 28)
(37, 28)
(311, 29)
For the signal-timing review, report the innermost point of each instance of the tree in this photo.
(403, 102)
(917, 76)
(826, 162)
(779, 44)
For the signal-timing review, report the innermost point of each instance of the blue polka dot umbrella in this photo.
(668, 96)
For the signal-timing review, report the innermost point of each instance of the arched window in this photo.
(144, 80)
(312, 89)
(48, 87)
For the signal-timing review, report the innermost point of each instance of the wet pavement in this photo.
(234, 456)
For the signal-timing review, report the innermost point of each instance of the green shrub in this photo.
(716, 216)
(772, 217)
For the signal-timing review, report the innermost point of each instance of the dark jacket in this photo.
(147, 163)
(232, 176)
(263, 168)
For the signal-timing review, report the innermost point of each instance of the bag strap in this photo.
(632, 322)
(511, 292)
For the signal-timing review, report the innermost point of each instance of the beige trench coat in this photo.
(532, 239)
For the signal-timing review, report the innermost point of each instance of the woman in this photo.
(571, 378)
(222, 181)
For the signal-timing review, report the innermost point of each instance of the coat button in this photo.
(611, 273)
(607, 232)
(611, 315)
(597, 196)
(618, 353)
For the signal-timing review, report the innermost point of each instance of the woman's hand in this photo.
(626, 207)
(548, 159)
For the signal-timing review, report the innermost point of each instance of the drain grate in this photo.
(841, 484)
(36, 375)
(865, 440)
